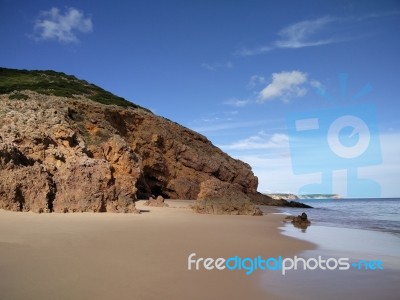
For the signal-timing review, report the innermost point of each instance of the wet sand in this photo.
(360, 282)
(131, 256)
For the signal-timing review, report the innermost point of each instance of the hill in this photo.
(67, 145)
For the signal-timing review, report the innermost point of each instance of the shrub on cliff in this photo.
(57, 84)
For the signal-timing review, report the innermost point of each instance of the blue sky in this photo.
(244, 74)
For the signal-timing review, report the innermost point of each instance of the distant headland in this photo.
(288, 196)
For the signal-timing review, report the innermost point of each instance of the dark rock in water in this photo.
(297, 204)
(301, 221)
(261, 199)
(158, 202)
(303, 216)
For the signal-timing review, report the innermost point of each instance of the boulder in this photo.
(158, 202)
(221, 198)
(301, 221)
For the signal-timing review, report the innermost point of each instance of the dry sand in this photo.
(130, 256)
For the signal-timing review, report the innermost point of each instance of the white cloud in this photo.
(54, 25)
(300, 34)
(215, 119)
(284, 85)
(255, 51)
(237, 102)
(259, 141)
(230, 125)
(216, 66)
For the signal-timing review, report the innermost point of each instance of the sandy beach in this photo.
(135, 256)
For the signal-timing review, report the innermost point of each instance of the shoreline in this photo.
(378, 215)
(358, 245)
(355, 243)
(131, 256)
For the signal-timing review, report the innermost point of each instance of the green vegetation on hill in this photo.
(57, 84)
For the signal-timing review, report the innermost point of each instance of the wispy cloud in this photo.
(259, 141)
(215, 119)
(216, 66)
(231, 112)
(229, 125)
(312, 33)
(297, 35)
(62, 27)
(302, 34)
(284, 86)
(237, 102)
(253, 51)
(377, 15)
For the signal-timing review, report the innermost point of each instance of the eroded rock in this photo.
(75, 155)
(158, 202)
(221, 198)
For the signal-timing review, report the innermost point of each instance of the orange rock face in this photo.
(74, 155)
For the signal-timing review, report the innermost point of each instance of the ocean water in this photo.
(357, 229)
(369, 214)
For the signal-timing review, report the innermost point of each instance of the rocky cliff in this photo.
(69, 146)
